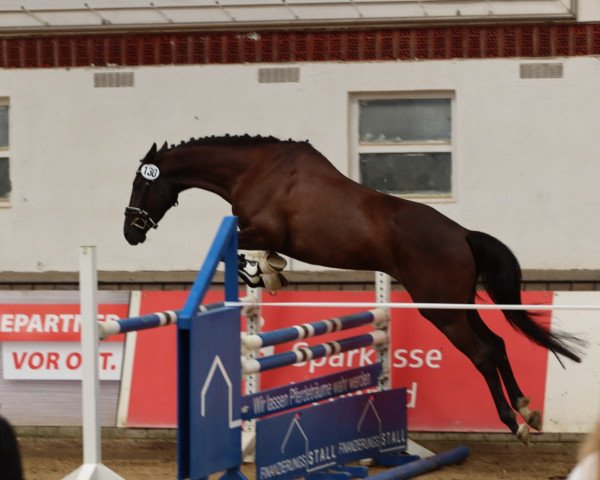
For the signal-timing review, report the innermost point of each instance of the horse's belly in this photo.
(336, 249)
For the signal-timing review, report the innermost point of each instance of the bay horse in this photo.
(290, 199)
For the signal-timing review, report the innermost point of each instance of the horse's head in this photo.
(151, 196)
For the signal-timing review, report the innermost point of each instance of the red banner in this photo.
(153, 397)
(50, 322)
(445, 391)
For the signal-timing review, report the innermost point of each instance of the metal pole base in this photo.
(93, 471)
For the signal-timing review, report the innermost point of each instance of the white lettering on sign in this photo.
(57, 360)
(44, 323)
(149, 171)
(417, 358)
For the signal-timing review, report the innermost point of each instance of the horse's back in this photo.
(320, 216)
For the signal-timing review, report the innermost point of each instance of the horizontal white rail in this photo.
(429, 306)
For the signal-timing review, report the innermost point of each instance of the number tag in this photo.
(149, 171)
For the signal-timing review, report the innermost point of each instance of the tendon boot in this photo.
(263, 272)
(270, 265)
(249, 271)
(268, 262)
(273, 281)
(271, 262)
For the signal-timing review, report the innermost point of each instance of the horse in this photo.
(290, 199)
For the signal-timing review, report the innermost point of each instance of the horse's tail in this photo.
(499, 271)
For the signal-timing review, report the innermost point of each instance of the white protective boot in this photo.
(262, 269)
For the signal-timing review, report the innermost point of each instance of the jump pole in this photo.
(92, 467)
(308, 330)
(419, 467)
(224, 249)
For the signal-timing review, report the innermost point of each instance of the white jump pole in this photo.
(92, 467)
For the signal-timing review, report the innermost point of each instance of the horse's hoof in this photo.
(523, 434)
(534, 419)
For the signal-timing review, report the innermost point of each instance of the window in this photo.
(4, 171)
(403, 144)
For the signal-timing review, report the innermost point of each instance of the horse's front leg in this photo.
(253, 238)
(260, 267)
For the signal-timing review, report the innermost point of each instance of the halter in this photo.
(150, 173)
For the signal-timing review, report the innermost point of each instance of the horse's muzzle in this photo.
(133, 234)
(137, 224)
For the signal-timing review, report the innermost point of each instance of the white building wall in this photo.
(526, 154)
(568, 407)
(588, 10)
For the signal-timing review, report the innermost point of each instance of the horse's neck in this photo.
(212, 168)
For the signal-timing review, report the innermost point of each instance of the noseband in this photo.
(143, 221)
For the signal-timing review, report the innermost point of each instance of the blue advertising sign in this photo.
(299, 394)
(314, 439)
(214, 393)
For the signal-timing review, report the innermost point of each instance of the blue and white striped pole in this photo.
(144, 322)
(307, 330)
(304, 354)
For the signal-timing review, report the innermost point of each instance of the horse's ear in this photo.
(164, 147)
(151, 153)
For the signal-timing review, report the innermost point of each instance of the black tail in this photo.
(499, 271)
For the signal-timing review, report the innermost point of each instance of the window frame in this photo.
(432, 146)
(5, 152)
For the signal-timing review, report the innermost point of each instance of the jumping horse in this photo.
(290, 199)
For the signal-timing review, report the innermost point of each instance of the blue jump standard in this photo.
(210, 407)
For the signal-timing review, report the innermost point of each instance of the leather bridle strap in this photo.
(143, 220)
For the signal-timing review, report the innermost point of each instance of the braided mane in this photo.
(230, 140)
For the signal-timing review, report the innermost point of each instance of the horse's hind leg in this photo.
(454, 324)
(519, 402)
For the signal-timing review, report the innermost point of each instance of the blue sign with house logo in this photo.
(334, 433)
(213, 405)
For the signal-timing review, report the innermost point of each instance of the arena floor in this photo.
(52, 458)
